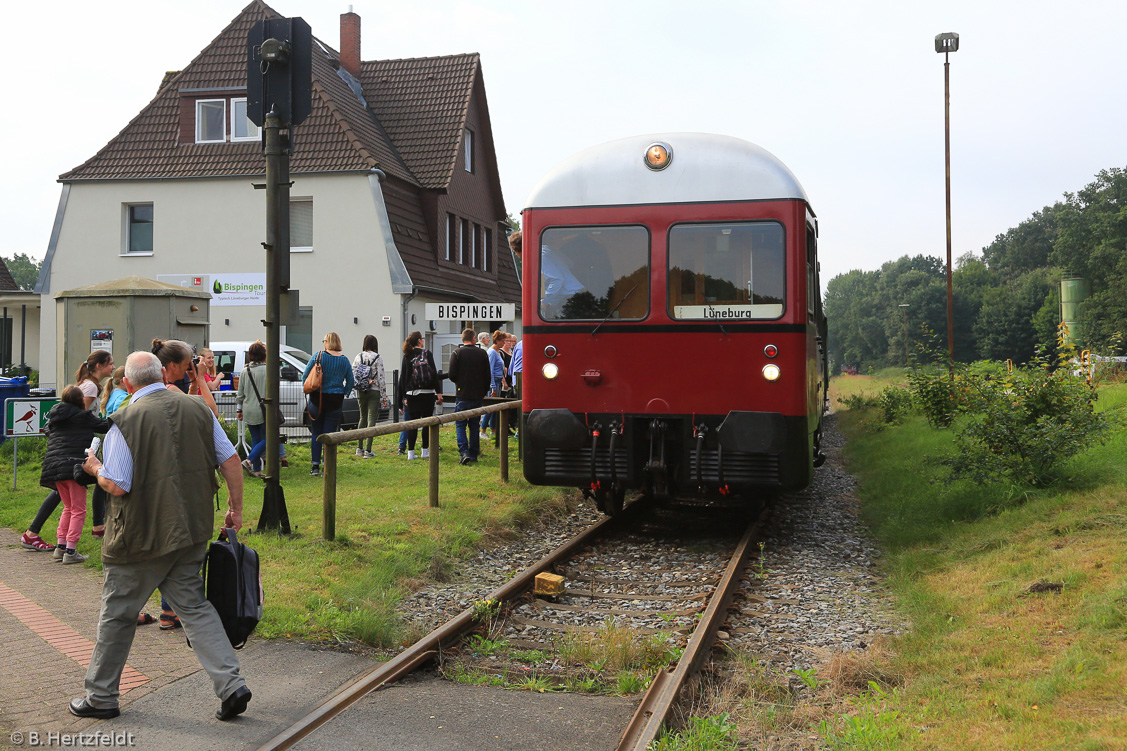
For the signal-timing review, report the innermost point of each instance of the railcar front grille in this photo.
(738, 468)
(570, 462)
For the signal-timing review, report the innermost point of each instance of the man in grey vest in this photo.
(160, 458)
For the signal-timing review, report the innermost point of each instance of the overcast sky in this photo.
(848, 95)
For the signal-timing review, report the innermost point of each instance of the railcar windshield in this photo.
(730, 271)
(592, 273)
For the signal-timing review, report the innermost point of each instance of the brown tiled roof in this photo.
(6, 281)
(340, 134)
(422, 102)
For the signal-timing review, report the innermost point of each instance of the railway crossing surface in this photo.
(48, 618)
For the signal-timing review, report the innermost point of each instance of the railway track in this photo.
(666, 599)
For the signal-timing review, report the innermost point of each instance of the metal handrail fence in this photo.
(332, 440)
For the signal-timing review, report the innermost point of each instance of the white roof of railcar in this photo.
(704, 168)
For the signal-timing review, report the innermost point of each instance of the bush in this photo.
(933, 392)
(896, 402)
(1025, 424)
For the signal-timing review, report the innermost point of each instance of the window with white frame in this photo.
(242, 129)
(468, 142)
(473, 245)
(139, 228)
(211, 120)
(301, 225)
(486, 248)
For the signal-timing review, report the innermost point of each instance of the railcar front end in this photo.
(673, 339)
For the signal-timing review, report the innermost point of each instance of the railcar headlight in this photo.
(550, 370)
(771, 372)
(658, 156)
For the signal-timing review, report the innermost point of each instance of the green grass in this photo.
(994, 659)
(388, 538)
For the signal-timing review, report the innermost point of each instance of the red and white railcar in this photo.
(674, 332)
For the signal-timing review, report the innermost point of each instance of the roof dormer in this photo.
(216, 116)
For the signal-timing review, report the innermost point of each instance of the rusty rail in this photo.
(667, 684)
(332, 440)
(429, 646)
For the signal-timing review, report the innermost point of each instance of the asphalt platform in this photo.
(48, 623)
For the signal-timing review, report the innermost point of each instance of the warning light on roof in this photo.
(658, 156)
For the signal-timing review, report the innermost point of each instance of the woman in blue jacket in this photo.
(327, 405)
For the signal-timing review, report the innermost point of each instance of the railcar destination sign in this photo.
(472, 311)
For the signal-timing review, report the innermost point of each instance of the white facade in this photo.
(353, 278)
(217, 225)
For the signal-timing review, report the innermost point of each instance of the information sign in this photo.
(26, 417)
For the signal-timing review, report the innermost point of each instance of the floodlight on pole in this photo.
(945, 44)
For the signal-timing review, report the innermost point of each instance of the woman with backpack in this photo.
(326, 404)
(421, 378)
(368, 372)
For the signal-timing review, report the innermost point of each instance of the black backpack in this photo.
(422, 372)
(233, 585)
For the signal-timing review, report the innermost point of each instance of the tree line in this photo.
(1006, 299)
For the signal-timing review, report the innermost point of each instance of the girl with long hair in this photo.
(419, 387)
(372, 393)
(327, 405)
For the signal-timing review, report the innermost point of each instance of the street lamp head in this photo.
(948, 42)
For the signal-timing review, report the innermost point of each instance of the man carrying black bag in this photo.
(159, 472)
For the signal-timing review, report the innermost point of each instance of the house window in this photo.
(461, 240)
(211, 120)
(301, 225)
(468, 141)
(139, 228)
(242, 129)
(473, 244)
(450, 242)
(486, 246)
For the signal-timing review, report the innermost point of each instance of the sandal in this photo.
(98, 533)
(144, 619)
(34, 542)
(169, 621)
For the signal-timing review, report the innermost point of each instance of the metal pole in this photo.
(3, 338)
(274, 514)
(947, 144)
(15, 460)
(23, 339)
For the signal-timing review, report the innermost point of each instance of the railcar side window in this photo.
(592, 273)
(730, 271)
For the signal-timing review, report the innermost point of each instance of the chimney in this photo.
(350, 42)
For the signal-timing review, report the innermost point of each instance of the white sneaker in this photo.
(484, 436)
(410, 455)
(369, 455)
(426, 453)
(360, 452)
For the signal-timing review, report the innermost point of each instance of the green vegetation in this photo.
(1006, 300)
(1016, 596)
(388, 539)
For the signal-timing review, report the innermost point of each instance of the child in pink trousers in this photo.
(70, 430)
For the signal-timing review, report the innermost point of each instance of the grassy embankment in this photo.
(1017, 597)
(388, 538)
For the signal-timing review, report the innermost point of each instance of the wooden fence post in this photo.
(504, 445)
(329, 490)
(433, 442)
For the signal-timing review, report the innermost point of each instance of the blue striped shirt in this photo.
(117, 462)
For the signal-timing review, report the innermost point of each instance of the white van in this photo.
(230, 359)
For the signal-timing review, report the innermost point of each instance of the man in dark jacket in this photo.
(159, 472)
(469, 369)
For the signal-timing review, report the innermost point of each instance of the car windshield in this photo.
(300, 355)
